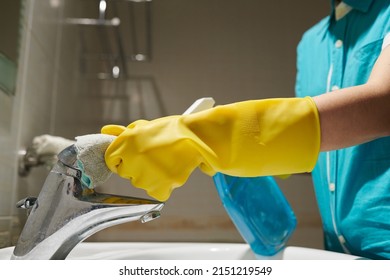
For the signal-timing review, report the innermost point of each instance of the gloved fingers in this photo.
(157, 191)
(114, 155)
(158, 183)
(162, 194)
(159, 188)
(136, 123)
(157, 171)
(113, 129)
(113, 162)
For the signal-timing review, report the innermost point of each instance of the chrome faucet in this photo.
(66, 212)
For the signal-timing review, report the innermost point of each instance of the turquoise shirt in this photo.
(352, 185)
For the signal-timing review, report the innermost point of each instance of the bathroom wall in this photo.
(230, 50)
(32, 110)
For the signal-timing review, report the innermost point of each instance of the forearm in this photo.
(355, 115)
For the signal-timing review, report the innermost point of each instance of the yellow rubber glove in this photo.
(250, 138)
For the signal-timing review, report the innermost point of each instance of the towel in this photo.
(48, 145)
(90, 150)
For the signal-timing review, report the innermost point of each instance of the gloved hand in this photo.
(250, 138)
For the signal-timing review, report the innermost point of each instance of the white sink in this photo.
(184, 251)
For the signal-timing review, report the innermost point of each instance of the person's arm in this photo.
(357, 114)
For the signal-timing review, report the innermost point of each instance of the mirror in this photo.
(9, 43)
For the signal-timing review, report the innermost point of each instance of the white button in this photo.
(335, 88)
(338, 44)
(341, 239)
(332, 187)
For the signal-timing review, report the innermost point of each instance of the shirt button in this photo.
(338, 44)
(335, 88)
(341, 239)
(332, 187)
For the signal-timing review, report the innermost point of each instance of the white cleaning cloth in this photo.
(90, 154)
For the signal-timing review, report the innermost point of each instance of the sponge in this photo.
(90, 150)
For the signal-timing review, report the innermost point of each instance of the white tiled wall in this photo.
(231, 50)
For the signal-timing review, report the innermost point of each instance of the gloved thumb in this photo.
(114, 130)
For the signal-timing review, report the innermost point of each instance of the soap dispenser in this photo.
(259, 210)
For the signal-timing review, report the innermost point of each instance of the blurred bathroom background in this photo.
(69, 67)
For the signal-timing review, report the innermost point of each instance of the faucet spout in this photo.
(66, 212)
